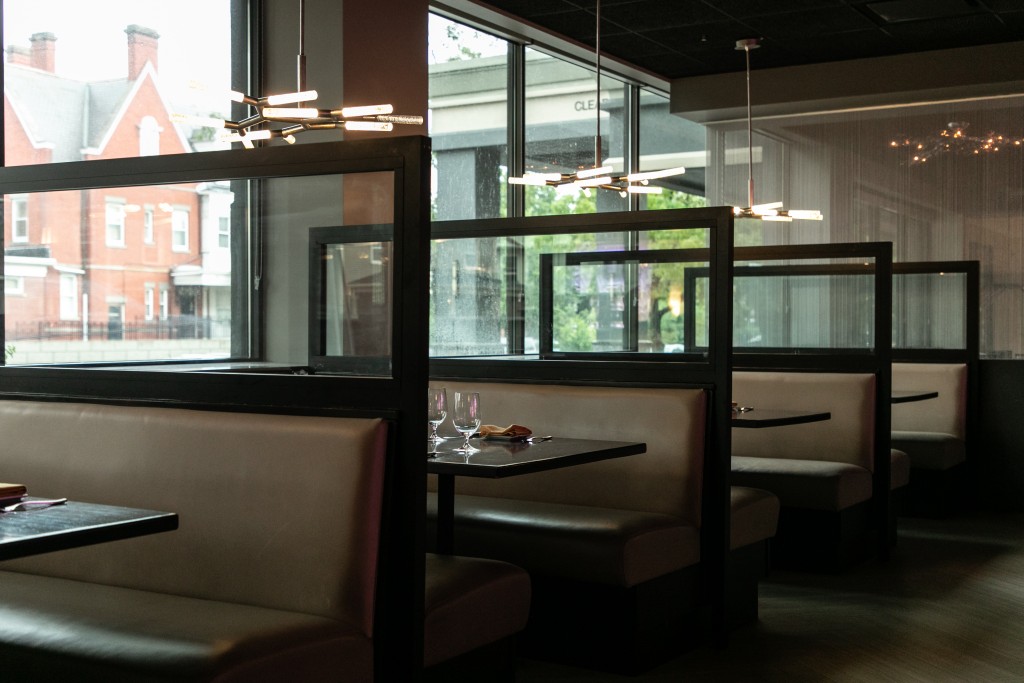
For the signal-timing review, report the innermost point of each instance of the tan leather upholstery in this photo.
(946, 414)
(278, 514)
(471, 602)
(899, 469)
(931, 432)
(600, 545)
(848, 437)
(813, 484)
(666, 479)
(754, 516)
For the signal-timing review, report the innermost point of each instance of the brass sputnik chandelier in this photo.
(772, 211)
(599, 176)
(298, 118)
(954, 139)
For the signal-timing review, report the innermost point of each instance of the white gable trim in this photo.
(23, 120)
(147, 72)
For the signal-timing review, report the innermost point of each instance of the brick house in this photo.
(98, 263)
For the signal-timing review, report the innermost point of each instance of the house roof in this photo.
(82, 119)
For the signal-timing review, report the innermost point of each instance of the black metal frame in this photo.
(969, 355)
(712, 371)
(399, 624)
(877, 361)
(624, 257)
(319, 359)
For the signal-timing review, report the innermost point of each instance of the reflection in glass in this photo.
(121, 274)
(562, 110)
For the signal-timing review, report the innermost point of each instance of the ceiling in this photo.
(681, 38)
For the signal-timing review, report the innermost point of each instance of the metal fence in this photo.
(177, 327)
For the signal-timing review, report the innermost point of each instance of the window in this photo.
(179, 229)
(164, 303)
(115, 223)
(14, 284)
(148, 302)
(147, 225)
(223, 232)
(68, 296)
(149, 137)
(19, 218)
(82, 61)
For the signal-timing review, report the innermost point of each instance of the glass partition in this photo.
(929, 310)
(612, 302)
(126, 273)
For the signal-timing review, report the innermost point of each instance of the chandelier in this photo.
(598, 176)
(772, 211)
(271, 118)
(954, 139)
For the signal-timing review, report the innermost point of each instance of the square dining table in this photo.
(497, 459)
(75, 524)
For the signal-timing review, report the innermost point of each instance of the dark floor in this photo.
(948, 606)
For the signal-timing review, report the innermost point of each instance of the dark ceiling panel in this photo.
(680, 38)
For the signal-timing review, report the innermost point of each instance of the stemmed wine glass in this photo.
(437, 410)
(466, 418)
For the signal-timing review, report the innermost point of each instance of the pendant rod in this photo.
(301, 57)
(597, 63)
(750, 136)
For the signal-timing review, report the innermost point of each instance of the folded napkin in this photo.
(511, 430)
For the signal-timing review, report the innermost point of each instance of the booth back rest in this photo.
(665, 479)
(279, 511)
(947, 413)
(847, 437)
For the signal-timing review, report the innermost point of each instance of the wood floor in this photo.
(948, 606)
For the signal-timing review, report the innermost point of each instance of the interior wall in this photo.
(356, 54)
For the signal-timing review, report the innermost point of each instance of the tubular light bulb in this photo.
(369, 125)
(765, 208)
(651, 175)
(535, 179)
(258, 135)
(292, 98)
(805, 214)
(644, 189)
(236, 96)
(370, 110)
(591, 172)
(291, 113)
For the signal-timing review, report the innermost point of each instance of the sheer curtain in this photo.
(958, 204)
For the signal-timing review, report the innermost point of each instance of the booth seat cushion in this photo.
(813, 484)
(755, 516)
(471, 602)
(601, 545)
(60, 629)
(899, 469)
(930, 450)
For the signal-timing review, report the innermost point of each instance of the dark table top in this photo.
(756, 418)
(909, 396)
(75, 524)
(505, 459)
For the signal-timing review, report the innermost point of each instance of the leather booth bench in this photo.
(612, 547)
(269, 577)
(821, 471)
(933, 434)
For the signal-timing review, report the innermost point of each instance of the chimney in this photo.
(142, 46)
(18, 54)
(44, 51)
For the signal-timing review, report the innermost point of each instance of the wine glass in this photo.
(466, 418)
(437, 410)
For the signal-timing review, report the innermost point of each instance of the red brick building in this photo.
(103, 262)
